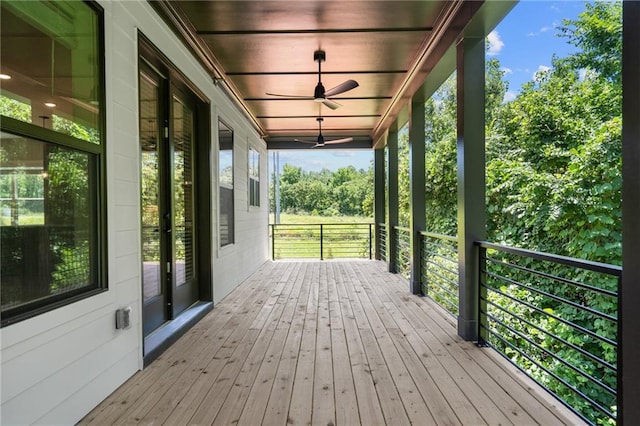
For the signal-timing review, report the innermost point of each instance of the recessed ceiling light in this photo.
(5, 76)
(50, 104)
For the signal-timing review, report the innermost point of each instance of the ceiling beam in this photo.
(316, 31)
(241, 73)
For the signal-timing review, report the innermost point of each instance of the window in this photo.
(51, 155)
(225, 170)
(254, 177)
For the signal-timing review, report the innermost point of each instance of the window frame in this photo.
(96, 153)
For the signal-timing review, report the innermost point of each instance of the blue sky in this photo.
(524, 43)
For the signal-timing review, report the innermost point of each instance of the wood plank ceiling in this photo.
(259, 47)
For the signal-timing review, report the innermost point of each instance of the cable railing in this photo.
(322, 240)
(402, 237)
(556, 319)
(439, 269)
(381, 241)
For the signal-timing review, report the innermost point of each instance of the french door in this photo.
(167, 142)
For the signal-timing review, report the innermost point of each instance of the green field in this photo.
(286, 218)
(301, 236)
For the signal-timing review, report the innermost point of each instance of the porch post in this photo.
(417, 182)
(392, 202)
(379, 201)
(629, 296)
(471, 179)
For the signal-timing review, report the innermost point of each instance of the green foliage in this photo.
(404, 185)
(15, 109)
(553, 170)
(440, 159)
(345, 192)
(71, 128)
(72, 269)
(598, 35)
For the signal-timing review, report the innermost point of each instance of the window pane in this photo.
(225, 170)
(254, 164)
(226, 216)
(183, 192)
(150, 183)
(225, 155)
(51, 67)
(48, 227)
(254, 177)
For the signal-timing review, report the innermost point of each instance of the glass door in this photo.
(167, 140)
(182, 130)
(154, 216)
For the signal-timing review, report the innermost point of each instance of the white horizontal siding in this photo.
(237, 261)
(57, 366)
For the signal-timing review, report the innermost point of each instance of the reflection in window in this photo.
(48, 230)
(51, 223)
(50, 66)
(254, 177)
(225, 177)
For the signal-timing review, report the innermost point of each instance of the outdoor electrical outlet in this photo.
(123, 318)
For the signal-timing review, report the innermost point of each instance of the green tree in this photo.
(290, 174)
(597, 33)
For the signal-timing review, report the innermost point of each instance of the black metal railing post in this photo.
(321, 243)
(482, 299)
(370, 242)
(273, 242)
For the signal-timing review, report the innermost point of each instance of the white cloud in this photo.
(541, 69)
(509, 96)
(495, 43)
(544, 29)
(507, 71)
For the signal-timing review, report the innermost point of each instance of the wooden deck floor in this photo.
(327, 343)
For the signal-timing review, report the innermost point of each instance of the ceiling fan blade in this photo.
(331, 104)
(337, 141)
(289, 96)
(305, 141)
(341, 88)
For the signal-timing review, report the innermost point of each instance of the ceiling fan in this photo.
(320, 140)
(320, 94)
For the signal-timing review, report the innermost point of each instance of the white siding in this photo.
(235, 262)
(57, 366)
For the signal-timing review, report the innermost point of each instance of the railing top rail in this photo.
(564, 260)
(323, 224)
(402, 228)
(439, 236)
